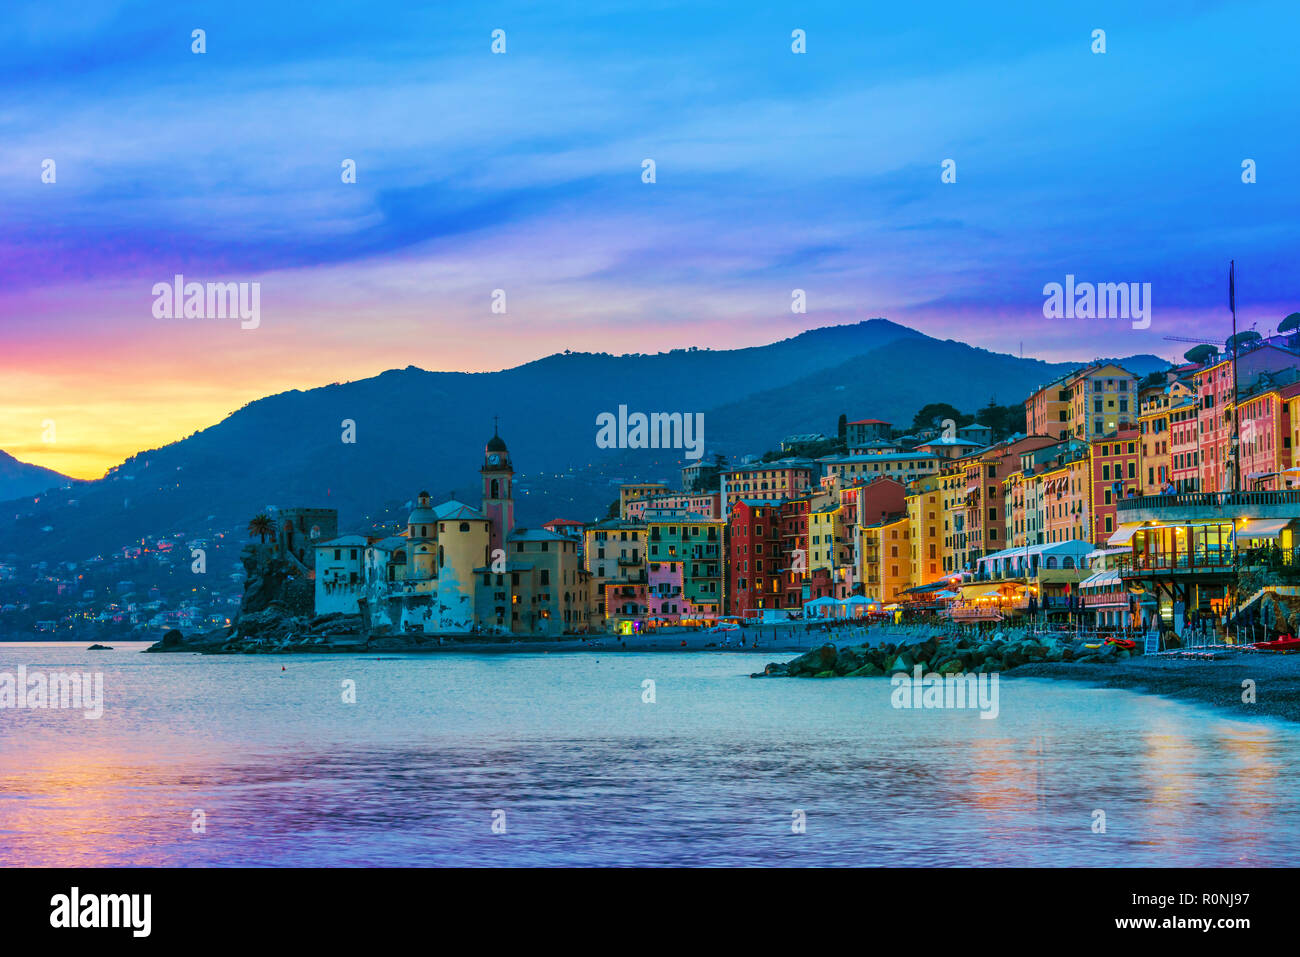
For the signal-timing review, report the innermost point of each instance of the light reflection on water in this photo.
(287, 774)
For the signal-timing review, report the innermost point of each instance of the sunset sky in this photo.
(522, 172)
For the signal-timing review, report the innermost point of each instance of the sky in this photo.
(522, 171)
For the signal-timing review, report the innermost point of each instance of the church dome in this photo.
(496, 444)
(422, 514)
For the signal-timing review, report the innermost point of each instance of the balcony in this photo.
(969, 613)
(1199, 506)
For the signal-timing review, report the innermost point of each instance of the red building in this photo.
(873, 501)
(1114, 476)
(565, 526)
(755, 550)
(794, 550)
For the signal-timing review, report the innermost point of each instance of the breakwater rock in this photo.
(940, 655)
(274, 629)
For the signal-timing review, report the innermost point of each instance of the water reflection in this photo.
(586, 773)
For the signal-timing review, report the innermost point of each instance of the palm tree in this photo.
(261, 526)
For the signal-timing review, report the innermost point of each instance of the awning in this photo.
(1263, 527)
(1124, 534)
(1101, 579)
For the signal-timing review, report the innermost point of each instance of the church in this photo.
(457, 570)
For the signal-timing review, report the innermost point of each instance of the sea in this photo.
(617, 759)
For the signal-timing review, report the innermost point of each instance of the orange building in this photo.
(1067, 499)
(984, 473)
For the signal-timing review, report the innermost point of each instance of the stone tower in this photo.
(498, 493)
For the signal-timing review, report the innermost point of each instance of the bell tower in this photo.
(498, 493)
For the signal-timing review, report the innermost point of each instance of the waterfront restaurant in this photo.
(1187, 550)
(1105, 594)
(1029, 580)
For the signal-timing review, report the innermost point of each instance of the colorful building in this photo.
(755, 557)
(901, 466)
(984, 473)
(1047, 411)
(925, 531)
(1217, 386)
(886, 559)
(1067, 498)
(614, 555)
(1103, 399)
(706, 504)
(635, 491)
(784, 479)
(1114, 476)
(685, 567)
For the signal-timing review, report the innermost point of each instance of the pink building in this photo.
(706, 504)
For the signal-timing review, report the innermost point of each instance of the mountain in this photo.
(416, 429)
(19, 479)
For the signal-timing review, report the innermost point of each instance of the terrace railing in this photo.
(1210, 500)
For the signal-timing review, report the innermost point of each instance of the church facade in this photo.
(456, 570)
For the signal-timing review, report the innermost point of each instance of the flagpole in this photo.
(1236, 433)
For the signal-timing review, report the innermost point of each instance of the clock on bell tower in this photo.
(498, 496)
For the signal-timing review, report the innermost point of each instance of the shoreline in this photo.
(778, 639)
(1214, 683)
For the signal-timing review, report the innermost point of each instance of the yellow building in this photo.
(925, 530)
(1155, 470)
(1103, 399)
(824, 536)
(952, 501)
(549, 591)
(1291, 479)
(639, 490)
(614, 554)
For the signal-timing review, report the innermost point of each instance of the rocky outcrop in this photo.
(941, 655)
(274, 629)
(275, 613)
(273, 578)
(1280, 613)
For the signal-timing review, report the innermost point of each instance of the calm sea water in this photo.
(286, 773)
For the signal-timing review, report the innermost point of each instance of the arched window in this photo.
(464, 526)
(441, 562)
(1067, 562)
(496, 489)
(1051, 561)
